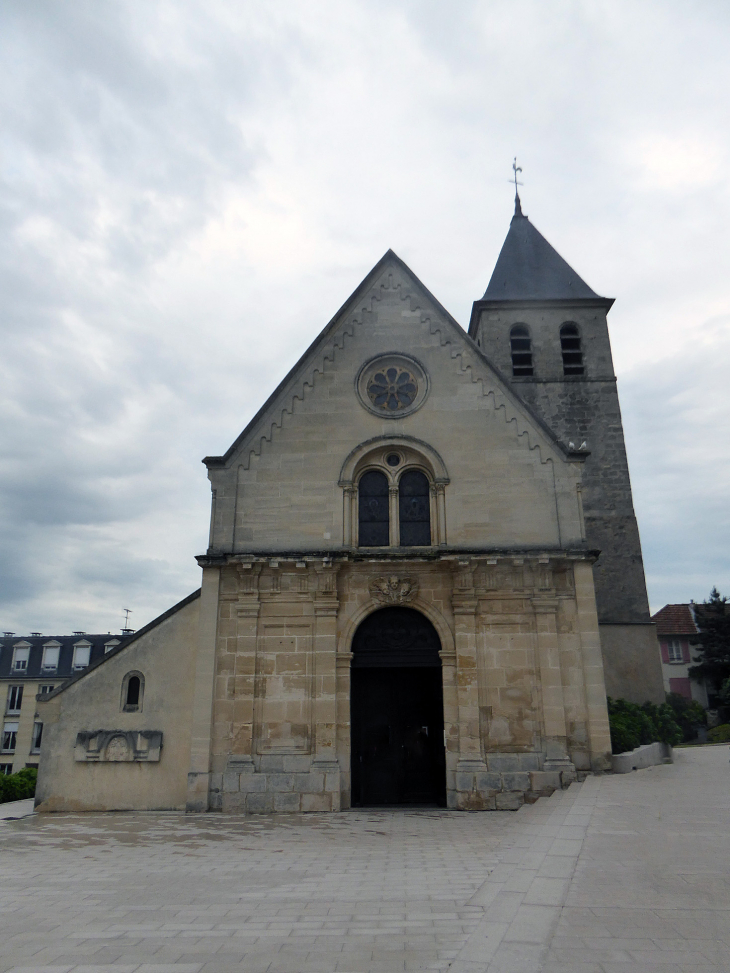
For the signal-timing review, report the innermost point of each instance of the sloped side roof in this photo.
(529, 268)
(120, 648)
(675, 620)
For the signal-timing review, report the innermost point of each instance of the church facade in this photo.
(423, 571)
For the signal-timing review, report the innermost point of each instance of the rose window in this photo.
(392, 389)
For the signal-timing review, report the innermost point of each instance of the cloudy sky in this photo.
(190, 190)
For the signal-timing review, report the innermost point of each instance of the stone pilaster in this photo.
(326, 607)
(551, 683)
(471, 768)
(202, 714)
(595, 689)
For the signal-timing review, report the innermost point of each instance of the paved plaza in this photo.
(624, 873)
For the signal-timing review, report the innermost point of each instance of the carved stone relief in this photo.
(118, 746)
(393, 590)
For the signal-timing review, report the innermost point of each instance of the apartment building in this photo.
(34, 664)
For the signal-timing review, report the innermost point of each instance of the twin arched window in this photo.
(570, 347)
(413, 527)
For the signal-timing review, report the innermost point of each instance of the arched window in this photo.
(414, 509)
(571, 349)
(373, 514)
(132, 692)
(133, 688)
(521, 348)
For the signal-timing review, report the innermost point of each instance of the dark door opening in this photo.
(397, 720)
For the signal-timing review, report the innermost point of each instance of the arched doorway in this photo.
(397, 711)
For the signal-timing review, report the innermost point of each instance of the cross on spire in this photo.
(516, 169)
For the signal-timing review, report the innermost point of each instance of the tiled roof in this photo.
(675, 620)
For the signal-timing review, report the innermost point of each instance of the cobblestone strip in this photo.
(524, 894)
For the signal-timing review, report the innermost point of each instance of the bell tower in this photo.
(546, 331)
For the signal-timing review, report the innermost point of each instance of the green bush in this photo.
(633, 725)
(719, 734)
(688, 714)
(17, 787)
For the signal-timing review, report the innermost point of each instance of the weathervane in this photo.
(516, 169)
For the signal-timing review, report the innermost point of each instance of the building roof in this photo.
(99, 645)
(528, 268)
(675, 620)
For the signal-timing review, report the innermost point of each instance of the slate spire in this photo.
(528, 268)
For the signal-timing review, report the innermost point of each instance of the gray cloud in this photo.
(189, 191)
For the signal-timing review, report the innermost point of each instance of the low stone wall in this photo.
(647, 756)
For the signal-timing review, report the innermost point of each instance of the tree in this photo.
(713, 641)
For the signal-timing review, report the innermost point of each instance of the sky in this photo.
(190, 190)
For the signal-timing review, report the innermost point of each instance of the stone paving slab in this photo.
(623, 873)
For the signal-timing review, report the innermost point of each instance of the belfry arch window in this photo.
(373, 510)
(414, 509)
(521, 349)
(571, 349)
(132, 692)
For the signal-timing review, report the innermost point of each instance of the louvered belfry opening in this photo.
(571, 349)
(521, 350)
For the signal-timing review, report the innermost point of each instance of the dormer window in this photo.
(571, 349)
(521, 349)
(21, 654)
(51, 651)
(82, 654)
(108, 646)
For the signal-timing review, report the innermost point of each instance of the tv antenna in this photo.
(127, 613)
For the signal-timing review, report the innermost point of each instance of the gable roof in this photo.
(675, 620)
(529, 268)
(390, 257)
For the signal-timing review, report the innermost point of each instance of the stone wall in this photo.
(524, 701)
(586, 409)
(100, 755)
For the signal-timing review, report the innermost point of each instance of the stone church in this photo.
(424, 574)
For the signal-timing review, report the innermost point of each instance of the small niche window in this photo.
(44, 690)
(571, 349)
(521, 348)
(132, 692)
(373, 514)
(414, 509)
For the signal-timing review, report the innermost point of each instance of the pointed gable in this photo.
(281, 487)
(529, 268)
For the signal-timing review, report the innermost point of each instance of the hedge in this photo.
(17, 787)
(632, 725)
